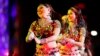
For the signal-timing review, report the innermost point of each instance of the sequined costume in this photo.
(66, 48)
(43, 32)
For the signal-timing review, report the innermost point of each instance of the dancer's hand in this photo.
(31, 36)
(70, 40)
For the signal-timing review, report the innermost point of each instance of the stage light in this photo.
(6, 53)
(94, 33)
(4, 37)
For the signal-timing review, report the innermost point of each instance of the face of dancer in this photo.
(71, 15)
(44, 12)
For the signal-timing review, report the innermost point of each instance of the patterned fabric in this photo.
(66, 48)
(43, 32)
(69, 50)
(44, 50)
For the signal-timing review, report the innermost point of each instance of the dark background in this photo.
(27, 14)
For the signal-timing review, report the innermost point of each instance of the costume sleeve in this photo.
(29, 31)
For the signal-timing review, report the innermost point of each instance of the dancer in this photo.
(45, 32)
(73, 33)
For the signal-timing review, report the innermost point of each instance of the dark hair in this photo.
(81, 23)
(80, 20)
(54, 14)
(49, 6)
